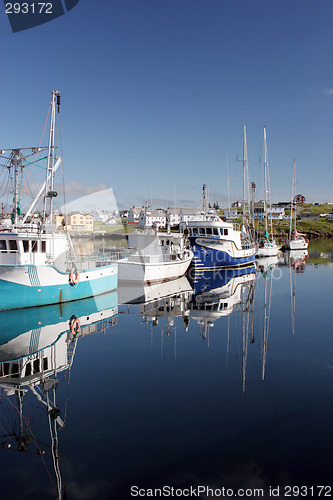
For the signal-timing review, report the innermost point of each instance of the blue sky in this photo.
(155, 93)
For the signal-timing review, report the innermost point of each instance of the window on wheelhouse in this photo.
(3, 247)
(44, 246)
(195, 231)
(12, 245)
(209, 231)
(25, 246)
(225, 231)
(34, 246)
(202, 231)
(216, 231)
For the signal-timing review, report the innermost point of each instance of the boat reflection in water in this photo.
(265, 264)
(296, 259)
(218, 292)
(161, 300)
(36, 346)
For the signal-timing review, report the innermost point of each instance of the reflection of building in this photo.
(83, 247)
(76, 221)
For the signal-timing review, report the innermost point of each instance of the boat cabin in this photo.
(33, 248)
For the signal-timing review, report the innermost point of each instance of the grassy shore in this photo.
(322, 228)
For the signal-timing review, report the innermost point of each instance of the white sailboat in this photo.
(298, 241)
(267, 246)
(38, 265)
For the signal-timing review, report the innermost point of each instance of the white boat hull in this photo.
(299, 244)
(130, 269)
(267, 251)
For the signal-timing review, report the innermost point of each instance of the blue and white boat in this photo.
(216, 243)
(38, 265)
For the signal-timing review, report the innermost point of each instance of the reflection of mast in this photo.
(244, 350)
(34, 359)
(292, 298)
(247, 310)
(267, 314)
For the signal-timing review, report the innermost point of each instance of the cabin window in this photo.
(6, 369)
(202, 231)
(209, 231)
(36, 366)
(167, 242)
(44, 246)
(195, 231)
(15, 370)
(3, 245)
(12, 245)
(45, 363)
(225, 232)
(28, 370)
(34, 246)
(25, 245)
(216, 231)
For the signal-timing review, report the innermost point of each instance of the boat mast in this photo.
(265, 176)
(295, 211)
(17, 162)
(293, 194)
(244, 169)
(49, 193)
(204, 198)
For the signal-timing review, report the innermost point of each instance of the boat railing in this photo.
(97, 260)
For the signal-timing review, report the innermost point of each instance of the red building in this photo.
(299, 198)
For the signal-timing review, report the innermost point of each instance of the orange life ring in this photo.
(74, 276)
(75, 326)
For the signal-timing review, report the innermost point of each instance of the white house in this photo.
(176, 215)
(133, 215)
(150, 218)
(231, 213)
(99, 215)
(275, 213)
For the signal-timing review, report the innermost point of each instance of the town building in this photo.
(133, 215)
(176, 215)
(151, 218)
(299, 198)
(76, 221)
(231, 214)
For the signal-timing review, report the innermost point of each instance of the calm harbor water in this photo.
(220, 379)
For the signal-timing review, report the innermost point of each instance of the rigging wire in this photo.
(23, 189)
(32, 434)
